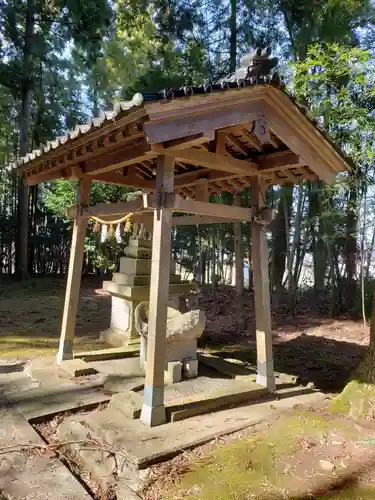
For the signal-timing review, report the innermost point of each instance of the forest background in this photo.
(62, 61)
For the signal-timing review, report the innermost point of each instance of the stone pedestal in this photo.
(131, 286)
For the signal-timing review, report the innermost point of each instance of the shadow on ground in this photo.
(327, 363)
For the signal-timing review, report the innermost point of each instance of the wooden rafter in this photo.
(253, 140)
(83, 148)
(242, 147)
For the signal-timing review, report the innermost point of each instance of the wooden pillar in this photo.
(153, 410)
(265, 373)
(74, 275)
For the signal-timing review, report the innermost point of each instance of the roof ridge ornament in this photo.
(255, 67)
(259, 64)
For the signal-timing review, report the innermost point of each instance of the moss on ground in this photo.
(361, 493)
(252, 465)
(357, 400)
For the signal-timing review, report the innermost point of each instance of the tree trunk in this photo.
(213, 255)
(233, 36)
(281, 236)
(296, 249)
(24, 121)
(351, 242)
(369, 255)
(319, 249)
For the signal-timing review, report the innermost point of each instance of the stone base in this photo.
(137, 447)
(76, 368)
(190, 369)
(118, 338)
(266, 381)
(122, 331)
(173, 373)
(153, 416)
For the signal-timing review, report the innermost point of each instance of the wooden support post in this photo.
(153, 410)
(74, 275)
(265, 373)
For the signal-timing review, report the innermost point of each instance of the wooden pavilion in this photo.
(178, 149)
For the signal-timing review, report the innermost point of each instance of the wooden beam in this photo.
(221, 148)
(195, 220)
(121, 158)
(33, 179)
(105, 209)
(125, 180)
(188, 142)
(201, 190)
(74, 275)
(205, 102)
(175, 127)
(211, 209)
(278, 160)
(299, 134)
(153, 410)
(213, 161)
(265, 373)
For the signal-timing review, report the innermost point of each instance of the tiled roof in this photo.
(104, 118)
(238, 79)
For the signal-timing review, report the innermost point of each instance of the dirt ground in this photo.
(307, 453)
(307, 343)
(30, 316)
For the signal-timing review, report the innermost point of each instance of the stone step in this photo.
(139, 293)
(32, 475)
(135, 266)
(131, 280)
(46, 402)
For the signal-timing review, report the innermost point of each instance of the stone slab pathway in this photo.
(32, 475)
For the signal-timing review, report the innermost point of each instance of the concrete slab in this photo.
(136, 446)
(232, 370)
(46, 402)
(32, 475)
(16, 382)
(76, 368)
(130, 403)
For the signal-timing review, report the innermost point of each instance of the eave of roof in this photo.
(163, 104)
